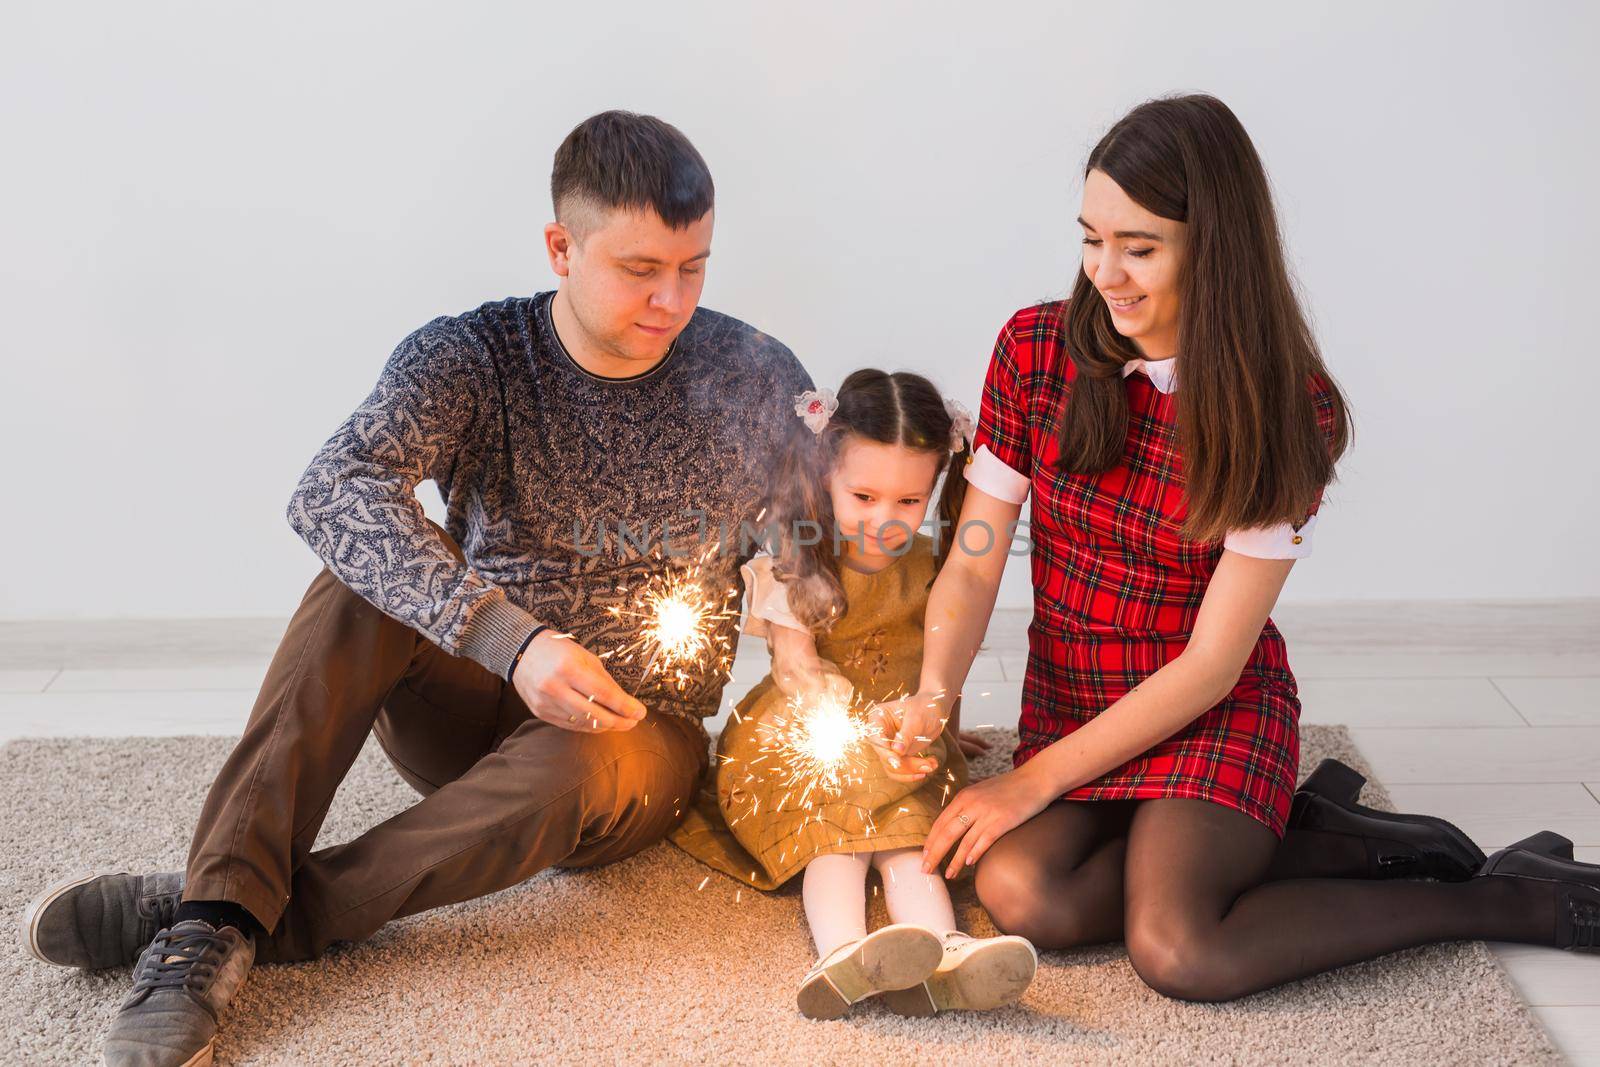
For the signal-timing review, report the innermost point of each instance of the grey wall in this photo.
(217, 223)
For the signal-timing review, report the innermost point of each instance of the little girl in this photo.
(841, 604)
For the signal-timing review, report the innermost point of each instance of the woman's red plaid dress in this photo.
(1116, 590)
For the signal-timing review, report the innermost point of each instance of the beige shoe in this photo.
(891, 958)
(976, 973)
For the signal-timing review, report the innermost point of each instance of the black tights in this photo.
(1212, 906)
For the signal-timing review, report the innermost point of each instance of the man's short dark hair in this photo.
(620, 160)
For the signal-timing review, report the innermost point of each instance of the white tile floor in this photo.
(1485, 713)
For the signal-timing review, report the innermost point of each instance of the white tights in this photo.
(836, 895)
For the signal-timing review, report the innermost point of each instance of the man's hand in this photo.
(566, 685)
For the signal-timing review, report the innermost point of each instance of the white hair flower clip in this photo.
(816, 407)
(962, 424)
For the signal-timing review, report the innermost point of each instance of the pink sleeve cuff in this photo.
(989, 473)
(1272, 542)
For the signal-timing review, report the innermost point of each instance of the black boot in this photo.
(1547, 857)
(1398, 846)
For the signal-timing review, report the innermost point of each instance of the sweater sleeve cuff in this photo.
(495, 631)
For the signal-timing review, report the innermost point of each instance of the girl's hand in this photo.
(972, 743)
(980, 815)
(813, 686)
(830, 685)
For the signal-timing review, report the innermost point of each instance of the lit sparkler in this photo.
(681, 631)
(819, 745)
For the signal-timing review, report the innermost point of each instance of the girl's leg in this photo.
(911, 896)
(851, 964)
(1057, 879)
(1202, 925)
(974, 973)
(835, 894)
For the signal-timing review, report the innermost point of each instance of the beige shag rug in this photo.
(633, 964)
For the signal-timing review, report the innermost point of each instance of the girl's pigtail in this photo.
(951, 497)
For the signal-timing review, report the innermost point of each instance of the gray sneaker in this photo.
(183, 981)
(100, 921)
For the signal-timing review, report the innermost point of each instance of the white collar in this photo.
(1160, 371)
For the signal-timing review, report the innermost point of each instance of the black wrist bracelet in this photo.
(537, 630)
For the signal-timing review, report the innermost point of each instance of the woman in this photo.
(1175, 426)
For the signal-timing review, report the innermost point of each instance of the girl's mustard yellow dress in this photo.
(750, 819)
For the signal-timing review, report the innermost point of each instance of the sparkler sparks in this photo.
(683, 629)
(818, 744)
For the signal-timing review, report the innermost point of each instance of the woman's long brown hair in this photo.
(1254, 453)
(892, 409)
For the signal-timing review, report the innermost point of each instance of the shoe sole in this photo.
(36, 907)
(888, 959)
(1341, 785)
(202, 1058)
(990, 976)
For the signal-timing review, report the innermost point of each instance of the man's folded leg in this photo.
(340, 662)
(545, 797)
(340, 665)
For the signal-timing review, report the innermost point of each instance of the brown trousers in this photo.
(505, 795)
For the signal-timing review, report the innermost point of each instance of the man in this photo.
(586, 441)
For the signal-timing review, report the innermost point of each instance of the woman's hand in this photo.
(902, 768)
(981, 814)
(885, 723)
(972, 744)
(904, 729)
